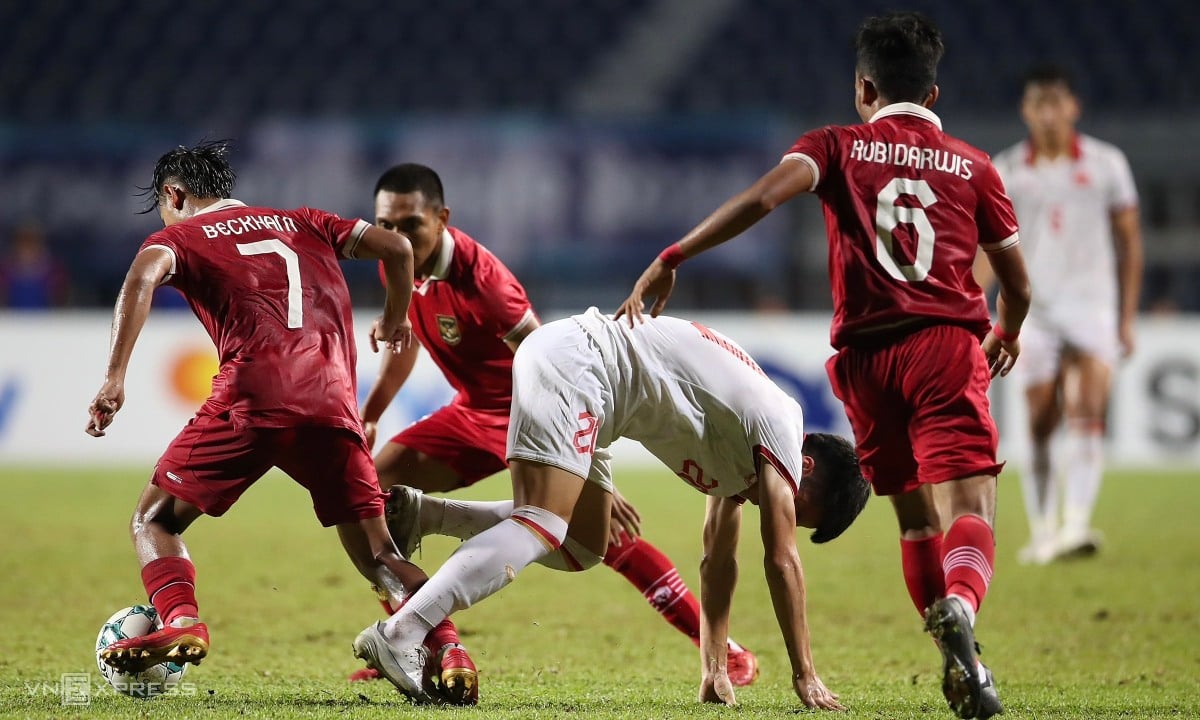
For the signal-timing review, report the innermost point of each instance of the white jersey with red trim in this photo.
(697, 401)
(1064, 207)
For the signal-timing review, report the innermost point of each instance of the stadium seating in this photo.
(141, 59)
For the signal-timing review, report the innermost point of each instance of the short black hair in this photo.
(1048, 73)
(203, 170)
(841, 488)
(900, 53)
(412, 177)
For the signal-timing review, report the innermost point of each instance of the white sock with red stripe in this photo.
(480, 567)
(1085, 467)
(463, 519)
(970, 551)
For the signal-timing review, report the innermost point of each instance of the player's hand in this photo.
(104, 407)
(658, 281)
(814, 694)
(1001, 354)
(715, 686)
(625, 520)
(370, 430)
(1128, 341)
(395, 336)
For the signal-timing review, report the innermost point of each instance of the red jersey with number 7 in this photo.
(267, 287)
(906, 208)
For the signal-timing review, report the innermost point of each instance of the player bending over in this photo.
(702, 406)
(470, 313)
(906, 208)
(266, 285)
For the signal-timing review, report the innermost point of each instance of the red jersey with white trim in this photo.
(906, 208)
(266, 285)
(463, 313)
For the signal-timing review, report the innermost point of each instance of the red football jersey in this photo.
(266, 285)
(906, 207)
(462, 314)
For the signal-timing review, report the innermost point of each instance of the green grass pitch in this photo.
(1114, 637)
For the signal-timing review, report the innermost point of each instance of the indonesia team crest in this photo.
(448, 329)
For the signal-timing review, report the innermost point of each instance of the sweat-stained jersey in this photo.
(266, 285)
(906, 208)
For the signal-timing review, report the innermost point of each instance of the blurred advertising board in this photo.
(52, 364)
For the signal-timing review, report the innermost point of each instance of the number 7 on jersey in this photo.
(291, 262)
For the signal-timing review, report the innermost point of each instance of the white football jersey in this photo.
(1064, 209)
(697, 401)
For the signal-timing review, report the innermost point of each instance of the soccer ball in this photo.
(150, 683)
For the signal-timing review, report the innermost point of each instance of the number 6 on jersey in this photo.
(888, 215)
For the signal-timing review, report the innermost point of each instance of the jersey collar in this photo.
(219, 205)
(1076, 150)
(907, 108)
(442, 268)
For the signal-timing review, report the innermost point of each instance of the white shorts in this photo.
(562, 403)
(1044, 339)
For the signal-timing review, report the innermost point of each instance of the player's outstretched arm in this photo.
(394, 370)
(395, 252)
(785, 181)
(1001, 345)
(718, 577)
(785, 578)
(1127, 234)
(146, 273)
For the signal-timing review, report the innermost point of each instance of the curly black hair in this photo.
(840, 488)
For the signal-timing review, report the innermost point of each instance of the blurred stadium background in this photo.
(576, 138)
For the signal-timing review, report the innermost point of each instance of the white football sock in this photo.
(463, 519)
(1085, 452)
(1039, 489)
(480, 567)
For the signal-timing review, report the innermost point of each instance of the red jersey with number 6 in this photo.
(266, 285)
(906, 208)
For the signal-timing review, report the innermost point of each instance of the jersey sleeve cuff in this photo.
(1004, 244)
(350, 247)
(522, 324)
(807, 160)
(174, 260)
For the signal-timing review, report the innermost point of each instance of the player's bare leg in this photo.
(169, 578)
(1086, 387)
(1039, 482)
(397, 464)
(969, 556)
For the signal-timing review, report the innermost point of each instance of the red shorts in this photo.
(473, 443)
(919, 408)
(211, 463)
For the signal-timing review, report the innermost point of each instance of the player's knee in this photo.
(571, 556)
(543, 523)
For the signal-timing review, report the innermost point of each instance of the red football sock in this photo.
(656, 577)
(970, 556)
(170, 584)
(923, 573)
(442, 634)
